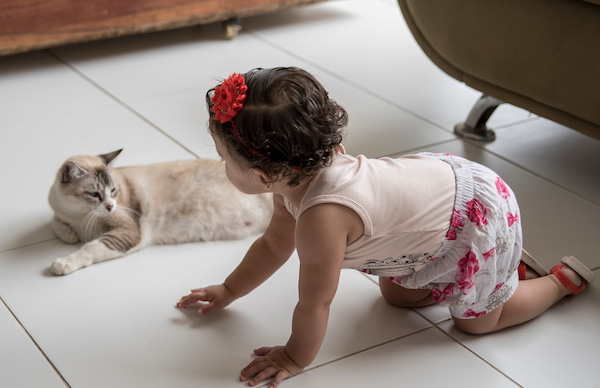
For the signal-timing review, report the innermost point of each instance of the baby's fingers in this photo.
(263, 351)
(194, 297)
(282, 375)
(263, 375)
(207, 308)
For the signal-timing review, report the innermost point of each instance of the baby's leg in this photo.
(399, 296)
(531, 299)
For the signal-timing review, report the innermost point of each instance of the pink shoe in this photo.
(586, 274)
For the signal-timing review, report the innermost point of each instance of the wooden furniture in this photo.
(27, 25)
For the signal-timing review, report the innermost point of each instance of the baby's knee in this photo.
(399, 296)
(484, 324)
(468, 327)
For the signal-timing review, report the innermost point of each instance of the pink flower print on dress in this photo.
(456, 224)
(457, 220)
(489, 254)
(451, 234)
(471, 313)
(498, 286)
(467, 268)
(476, 212)
(502, 188)
(512, 218)
(440, 296)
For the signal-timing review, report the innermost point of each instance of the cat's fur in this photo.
(117, 211)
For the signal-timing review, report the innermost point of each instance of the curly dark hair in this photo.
(289, 127)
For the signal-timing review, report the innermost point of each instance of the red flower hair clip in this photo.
(229, 98)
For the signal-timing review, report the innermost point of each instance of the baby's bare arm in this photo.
(266, 255)
(322, 232)
(323, 235)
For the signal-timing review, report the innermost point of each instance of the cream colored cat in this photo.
(122, 210)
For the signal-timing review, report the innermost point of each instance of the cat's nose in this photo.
(109, 207)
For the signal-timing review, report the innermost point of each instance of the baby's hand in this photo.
(217, 297)
(272, 362)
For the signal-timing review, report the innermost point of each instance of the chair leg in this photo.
(474, 128)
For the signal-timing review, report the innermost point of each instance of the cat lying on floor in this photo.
(122, 210)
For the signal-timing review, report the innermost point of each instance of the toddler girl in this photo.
(435, 228)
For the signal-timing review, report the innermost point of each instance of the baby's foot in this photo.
(570, 274)
(529, 268)
(531, 274)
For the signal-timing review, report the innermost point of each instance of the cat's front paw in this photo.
(63, 266)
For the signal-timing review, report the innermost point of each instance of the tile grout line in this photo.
(482, 147)
(432, 325)
(36, 344)
(519, 122)
(118, 101)
(374, 94)
(359, 352)
(348, 82)
(28, 245)
(414, 114)
(404, 152)
(433, 144)
(436, 326)
(476, 355)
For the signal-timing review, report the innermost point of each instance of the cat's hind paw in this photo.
(63, 267)
(64, 232)
(69, 237)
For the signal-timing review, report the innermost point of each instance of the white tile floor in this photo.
(115, 324)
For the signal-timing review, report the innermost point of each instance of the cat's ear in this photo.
(71, 171)
(108, 158)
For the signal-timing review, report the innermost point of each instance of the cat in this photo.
(117, 211)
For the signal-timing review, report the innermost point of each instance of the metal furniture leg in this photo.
(474, 128)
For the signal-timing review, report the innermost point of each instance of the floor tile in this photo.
(561, 348)
(184, 117)
(151, 65)
(549, 213)
(32, 153)
(557, 153)
(36, 86)
(425, 359)
(386, 61)
(434, 313)
(21, 362)
(178, 107)
(115, 324)
(124, 311)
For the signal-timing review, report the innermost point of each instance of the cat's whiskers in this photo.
(130, 209)
(88, 223)
(85, 222)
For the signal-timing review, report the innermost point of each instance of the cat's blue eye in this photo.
(94, 194)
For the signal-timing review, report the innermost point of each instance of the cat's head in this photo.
(86, 184)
